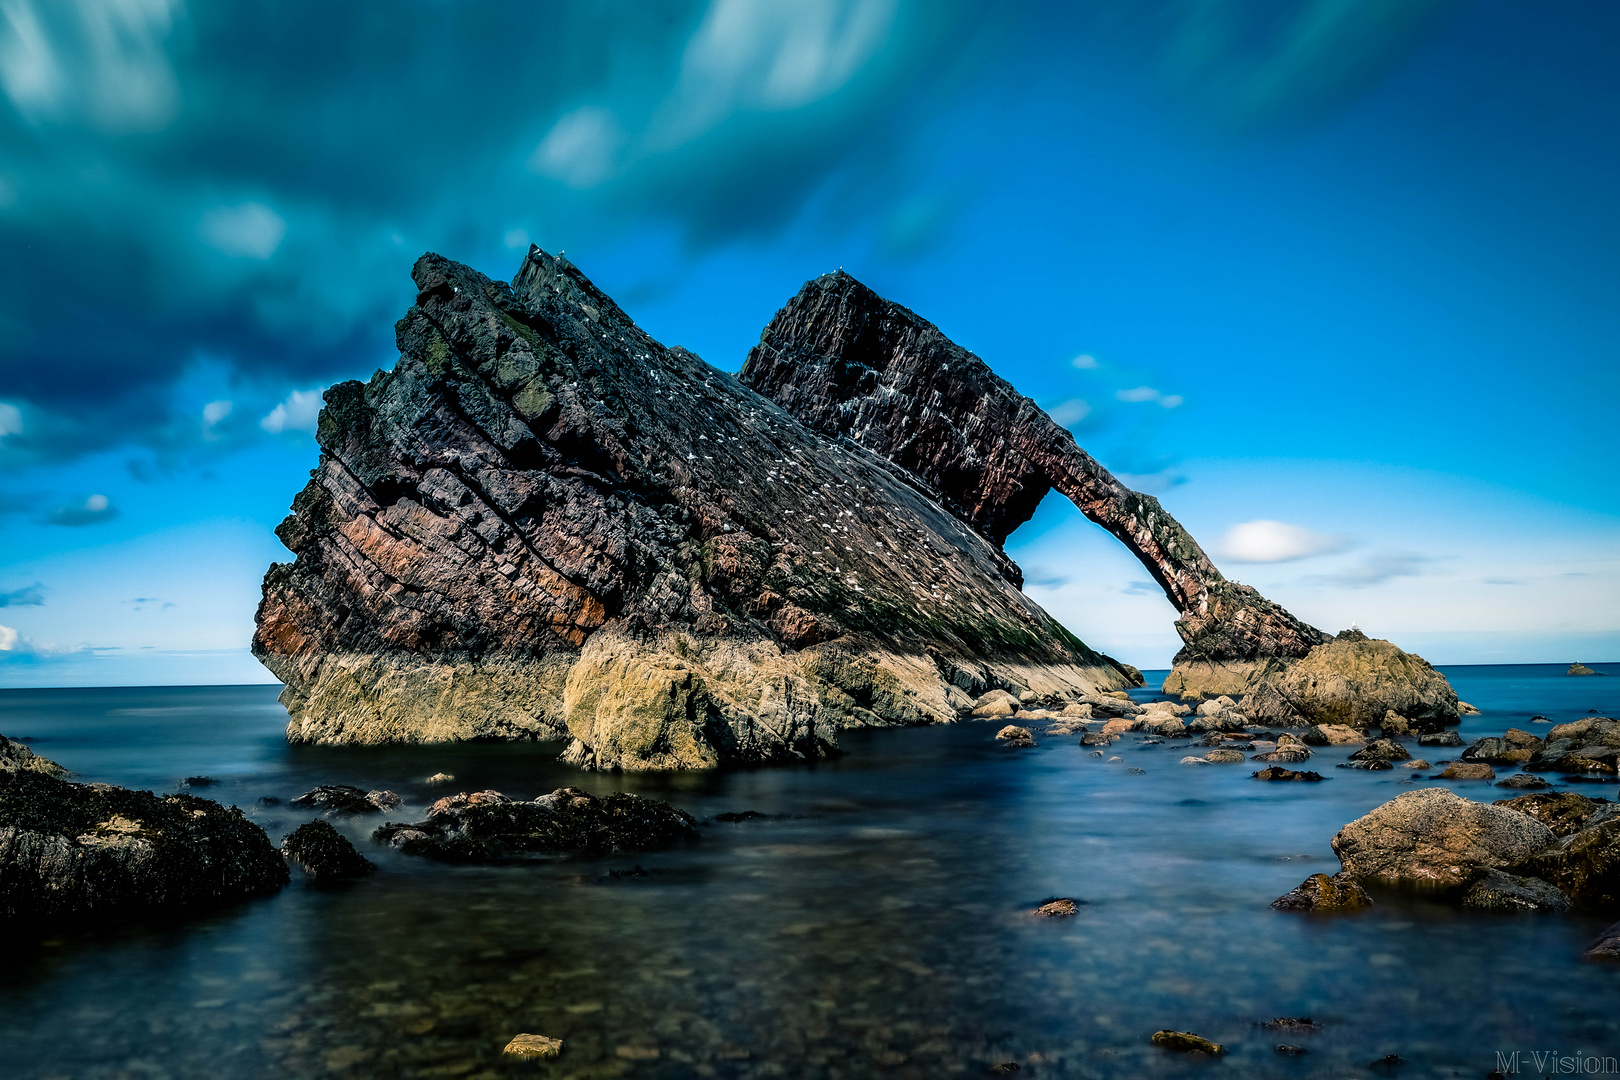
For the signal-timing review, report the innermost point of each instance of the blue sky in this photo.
(1333, 278)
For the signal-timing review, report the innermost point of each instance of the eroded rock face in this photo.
(71, 850)
(849, 363)
(543, 523)
(1431, 840)
(15, 757)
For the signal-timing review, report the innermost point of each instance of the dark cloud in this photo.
(246, 185)
(27, 596)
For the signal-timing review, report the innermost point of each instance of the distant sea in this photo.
(874, 924)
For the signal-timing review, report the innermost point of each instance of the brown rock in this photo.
(1325, 895)
(1016, 736)
(1060, 908)
(1332, 735)
(543, 523)
(1185, 1042)
(1564, 812)
(1467, 770)
(844, 360)
(1277, 772)
(538, 1047)
(1432, 840)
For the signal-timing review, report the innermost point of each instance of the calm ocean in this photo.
(877, 927)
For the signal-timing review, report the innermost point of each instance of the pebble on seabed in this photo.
(533, 1046)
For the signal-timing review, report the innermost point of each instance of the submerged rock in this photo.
(325, 854)
(543, 523)
(538, 1047)
(1325, 895)
(1015, 736)
(1606, 947)
(343, 799)
(1433, 840)
(1277, 772)
(70, 850)
(1060, 908)
(1511, 894)
(1381, 750)
(1523, 780)
(487, 825)
(1186, 1042)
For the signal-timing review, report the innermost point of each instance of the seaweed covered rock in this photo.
(72, 850)
(1511, 894)
(14, 757)
(344, 799)
(324, 854)
(1325, 895)
(542, 523)
(1431, 840)
(487, 825)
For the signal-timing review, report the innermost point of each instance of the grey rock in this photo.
(1440, 738)
(14, 756)
(1433, 840)
(1523, 780)
(1511, 894)
(1334, 735)
(1606, 947)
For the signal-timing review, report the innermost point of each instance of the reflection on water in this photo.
(876, 924)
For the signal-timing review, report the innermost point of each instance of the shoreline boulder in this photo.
(1325, 895)
(1431, 840)
(324, 854)
(73, 850)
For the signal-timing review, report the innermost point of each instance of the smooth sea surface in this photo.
(877, 924)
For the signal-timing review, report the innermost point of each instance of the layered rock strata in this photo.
(852, 364)
(848, 362)
(543, 523)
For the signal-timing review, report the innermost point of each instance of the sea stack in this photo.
(542, 523)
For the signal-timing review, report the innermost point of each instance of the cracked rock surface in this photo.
(542, 523)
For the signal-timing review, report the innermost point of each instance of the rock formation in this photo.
(542, 523)
(72, 850)
(852, 364)
(485, 825)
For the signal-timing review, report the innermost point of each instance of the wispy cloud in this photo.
(93, 511)
(1138, 394)
(1069, 412)
(141, 603)
(27, 596)
(1266, 541)
(298, 412)
(1378, 568)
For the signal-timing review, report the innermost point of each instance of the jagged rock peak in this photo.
(843, 359)
(544, 523)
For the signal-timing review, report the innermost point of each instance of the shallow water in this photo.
(879, 927)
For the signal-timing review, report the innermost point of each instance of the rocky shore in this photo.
(71, 850)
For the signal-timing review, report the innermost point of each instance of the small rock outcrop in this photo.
(486, 825)
(1510, 894)
(1431, 840)
(324, 854)
(1606, 947)
(15, 757)
(1277, 772)
(343, 799)
(542, 523)
(1013, 735)
(1563, 812)
(1186, 1042)
(74, 850)
(1325, 895)
(1579, 668)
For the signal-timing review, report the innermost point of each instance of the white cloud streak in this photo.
(248, 230)
(1266, 541)
(299, 412)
